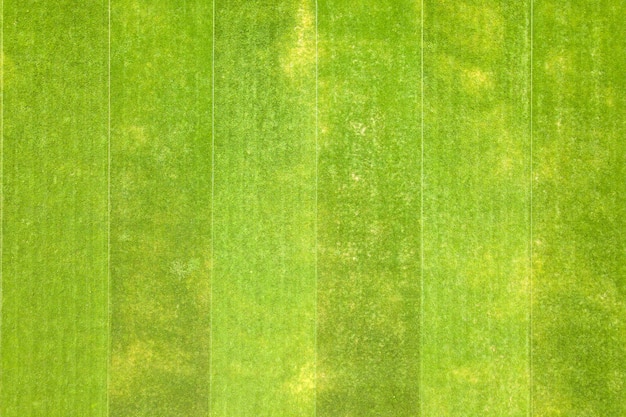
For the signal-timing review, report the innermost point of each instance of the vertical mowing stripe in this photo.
(54, 356)
(579, 209)
(264, 309)
(475, 322)
(161, 185)
(369, 223)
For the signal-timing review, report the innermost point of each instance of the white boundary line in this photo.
(531, 272)
(108, 400)
(421, 318)
(316, 194)
(212, 273)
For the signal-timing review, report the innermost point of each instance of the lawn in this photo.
(333, 208)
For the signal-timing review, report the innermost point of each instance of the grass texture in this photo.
(313, 208)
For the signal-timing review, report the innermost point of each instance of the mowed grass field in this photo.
(313, 208)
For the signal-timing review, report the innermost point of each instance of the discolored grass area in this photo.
(313, 208)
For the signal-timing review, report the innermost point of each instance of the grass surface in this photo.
(476, 208)
(54, 229)
(579, 328)
(263, 317)
(160, 208)
(369, 208)
(300, 208)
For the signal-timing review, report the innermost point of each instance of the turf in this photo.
(476, 209)
(369, 208)
(263, 321)
(160, 208)
(54, 193)
(579, 245)
(313, 208)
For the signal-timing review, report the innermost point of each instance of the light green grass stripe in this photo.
(579, 331)
(369, 208)
(161, 207)
(264, 286)
(476, 196)
(54, 345)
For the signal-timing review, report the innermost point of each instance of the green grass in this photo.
(160, 208)
(313, 208)
(580, 209)
(369, 209)
(264, 249)
(54, 229)
(476, 208)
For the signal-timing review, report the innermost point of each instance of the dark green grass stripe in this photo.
(54, 256)
(161, 208)
(369, 208)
